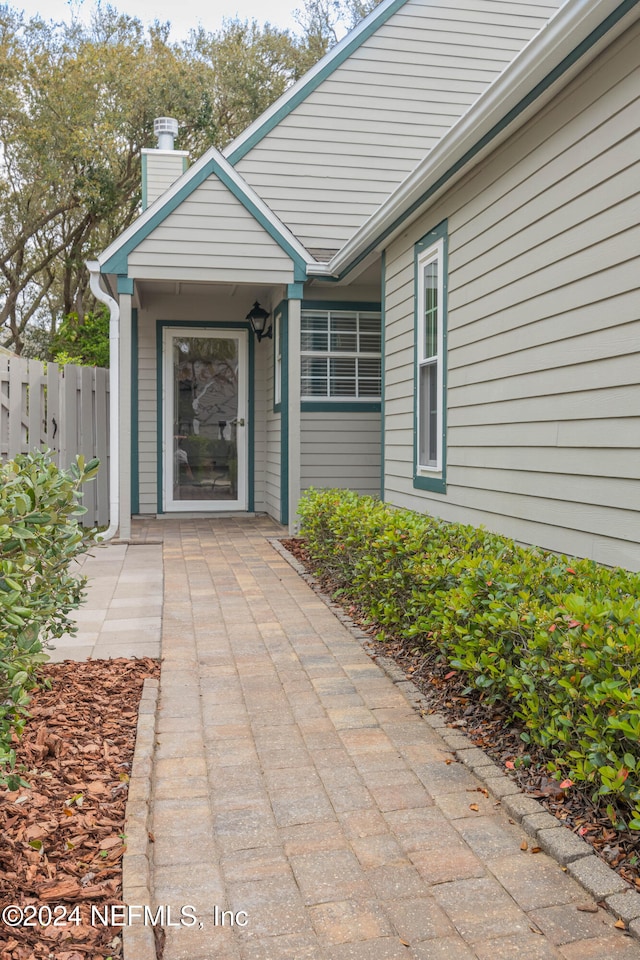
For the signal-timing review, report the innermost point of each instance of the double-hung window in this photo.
(430, 361)
(340, 354)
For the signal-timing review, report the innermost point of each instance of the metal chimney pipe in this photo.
(165, 129)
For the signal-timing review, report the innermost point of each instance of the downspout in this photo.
(114, 391)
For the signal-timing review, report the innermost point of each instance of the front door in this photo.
(205, 415)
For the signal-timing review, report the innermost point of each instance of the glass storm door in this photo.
(205, 412)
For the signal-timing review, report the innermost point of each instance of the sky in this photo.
(183, 14)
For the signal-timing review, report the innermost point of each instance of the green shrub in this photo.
(39, 537)
(557, 640)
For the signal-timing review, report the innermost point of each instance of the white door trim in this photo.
(170, 505)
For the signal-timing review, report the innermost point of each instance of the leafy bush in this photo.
(39, 537)
(83, 341)
(557, 640)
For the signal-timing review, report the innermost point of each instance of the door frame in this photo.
(216, 328)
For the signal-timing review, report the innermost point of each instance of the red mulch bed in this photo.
(62, 839)
(490, 728)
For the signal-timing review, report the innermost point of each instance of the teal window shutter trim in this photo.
(212, 166)
(145, 202)
(421, 479)
(125, 285)
(337, 60)
(434, 484)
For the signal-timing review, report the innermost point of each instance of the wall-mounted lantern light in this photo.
(258, 317)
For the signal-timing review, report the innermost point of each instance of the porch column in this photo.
(293, 343)
(125, 290)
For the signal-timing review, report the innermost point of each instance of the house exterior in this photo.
(441, 220)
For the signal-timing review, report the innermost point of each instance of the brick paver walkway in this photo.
(122, 613)
(294, 782)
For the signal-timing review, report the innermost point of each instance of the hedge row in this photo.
(557, 640)
(39, 537)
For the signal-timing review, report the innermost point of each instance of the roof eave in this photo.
(569, 36)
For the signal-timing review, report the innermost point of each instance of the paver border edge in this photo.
(593, 874)
(138, 940)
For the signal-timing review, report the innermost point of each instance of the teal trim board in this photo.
(334, 60)
(125, 285)
(362, 305)
(339, 406)
(607, 24)
(383, 300)
(135, 416)
(284, 418)
(118, 262)
(436, 484)
(251, 439)
(205, 325)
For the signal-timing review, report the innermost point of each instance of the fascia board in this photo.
(114, 258)
(296, 94)
(574, 31)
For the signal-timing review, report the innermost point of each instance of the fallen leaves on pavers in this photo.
(62, 838)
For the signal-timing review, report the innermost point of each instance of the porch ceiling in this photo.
(148, 290)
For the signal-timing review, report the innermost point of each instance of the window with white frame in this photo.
(340, 354)
(429, 358)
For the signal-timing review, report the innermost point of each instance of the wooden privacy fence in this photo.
(64, 409)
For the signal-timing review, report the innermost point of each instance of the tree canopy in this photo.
(77, 105)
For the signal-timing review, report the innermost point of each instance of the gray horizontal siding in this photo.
(273, 440)
(526, 520)
(211, 237)
(330, 163)
(543, 397)
(220, 305)
(147, 406)
(340, 450)
(162, 169)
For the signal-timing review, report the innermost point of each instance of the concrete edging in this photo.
(572, 852)
(139, 939)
